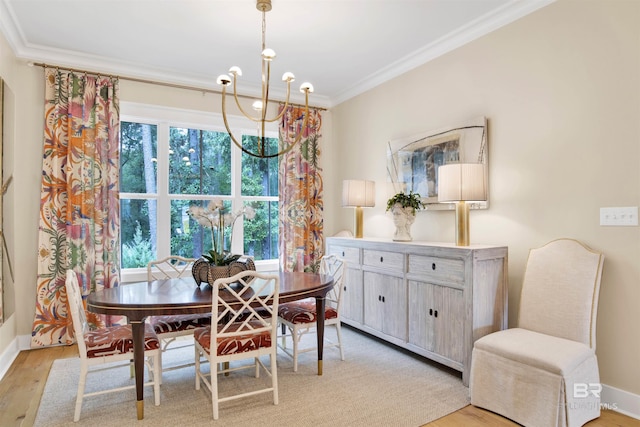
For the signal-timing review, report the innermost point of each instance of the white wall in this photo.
(561, 91)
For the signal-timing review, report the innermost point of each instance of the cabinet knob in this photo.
(431, 312)
(435, 313)
(342, 254)
(381, 259)
(344, 288)
(433, 266)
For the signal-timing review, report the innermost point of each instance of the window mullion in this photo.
(164, 202)
(237, 201)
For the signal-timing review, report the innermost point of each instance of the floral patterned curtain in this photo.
(79, 205)
(300, 193)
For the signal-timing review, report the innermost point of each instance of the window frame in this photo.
(165, 118)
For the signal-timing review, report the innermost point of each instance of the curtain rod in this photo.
(151, 82)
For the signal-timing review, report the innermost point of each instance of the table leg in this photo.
(320, 303)
(137, 328)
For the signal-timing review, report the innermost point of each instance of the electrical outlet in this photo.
(626, 216)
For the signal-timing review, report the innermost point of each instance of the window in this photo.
(173, 159)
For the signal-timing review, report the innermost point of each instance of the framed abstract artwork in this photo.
(412, 162)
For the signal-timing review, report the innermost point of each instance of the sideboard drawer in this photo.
(382, 259)
(448, 269)
(350, 255)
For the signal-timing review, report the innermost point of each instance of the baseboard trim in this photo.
(620, 401)
(8, 356)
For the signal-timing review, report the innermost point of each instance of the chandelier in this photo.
(262, 105)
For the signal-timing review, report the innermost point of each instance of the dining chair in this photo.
(244, 307)
(105, 346)
(544, 372)
(299, 317)
(170, 327)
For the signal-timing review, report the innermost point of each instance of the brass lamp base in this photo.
(358, 222)
(462, 224)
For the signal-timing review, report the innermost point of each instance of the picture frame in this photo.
(412, 162)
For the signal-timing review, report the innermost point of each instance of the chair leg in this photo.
(160, 363)
(157, 376)
(284, 335)
(339, 334)
(274, 378)
(197, 366)
(214, 390)
(295, 337)
(81, 384)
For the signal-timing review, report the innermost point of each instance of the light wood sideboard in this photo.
(434, 299)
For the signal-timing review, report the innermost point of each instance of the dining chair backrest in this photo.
(560, 291)
(170, 267)
(77, 311)
(246, 303)
(335, 267)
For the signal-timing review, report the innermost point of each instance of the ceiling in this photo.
(343, 47)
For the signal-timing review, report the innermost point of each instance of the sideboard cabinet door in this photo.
(351, 308)
(385, 304)
(352, 296)
(436, 319)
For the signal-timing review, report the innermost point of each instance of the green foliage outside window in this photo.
(199, 165)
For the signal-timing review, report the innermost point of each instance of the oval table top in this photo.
(182, 295)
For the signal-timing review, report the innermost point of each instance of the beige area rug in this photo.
(376, 385)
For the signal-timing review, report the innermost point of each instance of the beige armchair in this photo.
(545, 371)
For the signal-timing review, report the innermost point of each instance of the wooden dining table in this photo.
(139, 300)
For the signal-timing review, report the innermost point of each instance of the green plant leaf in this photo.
(412, 200)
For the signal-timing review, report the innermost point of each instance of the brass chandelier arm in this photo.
(264, 103)
(261, 147)
(305, 123)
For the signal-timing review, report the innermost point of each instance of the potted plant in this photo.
(219, 262)
(403, 206)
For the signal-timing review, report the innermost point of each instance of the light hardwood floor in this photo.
(22, 387)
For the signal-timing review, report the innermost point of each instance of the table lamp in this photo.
(462, 183)
(358, 194)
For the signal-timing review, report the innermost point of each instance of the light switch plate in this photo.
(624, 216)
